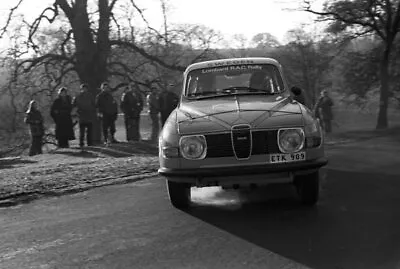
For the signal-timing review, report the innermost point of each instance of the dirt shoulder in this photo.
(71, 170)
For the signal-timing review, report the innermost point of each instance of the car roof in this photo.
(231, 61)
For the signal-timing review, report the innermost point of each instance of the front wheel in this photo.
(308, 188)
(179, 194)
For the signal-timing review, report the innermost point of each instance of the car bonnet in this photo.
(220, 114)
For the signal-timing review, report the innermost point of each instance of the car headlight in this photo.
(193, 147)
(291, 140)
(313, 134)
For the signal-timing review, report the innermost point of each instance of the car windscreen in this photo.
(244, 78)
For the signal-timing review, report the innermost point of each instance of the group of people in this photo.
(102, 108)
(160, 104)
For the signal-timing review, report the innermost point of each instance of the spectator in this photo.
(154, 110)
(107, 109)
(323, 111)
(35, 120)
(84, 102)
(61, 113)
(168, 102)
(131, 106)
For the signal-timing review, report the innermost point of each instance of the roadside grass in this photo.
(352, 125)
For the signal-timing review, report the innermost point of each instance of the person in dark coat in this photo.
(168, 102)
(323, 111)
(107, 110)
(132, 105)
(139, 107)
(153, 104)
(60, 111)
(34, 118)
(84, 102)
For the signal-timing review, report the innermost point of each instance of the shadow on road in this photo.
(355, 225)
(6, 163)
(124, 149)
(116, 150)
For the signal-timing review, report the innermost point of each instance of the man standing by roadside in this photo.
(132, 105)
(84, 102)
(168, 102)
(153, 104)
(60, 111)
(323, 111)
(107, 110)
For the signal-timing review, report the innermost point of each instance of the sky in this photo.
(246, 17)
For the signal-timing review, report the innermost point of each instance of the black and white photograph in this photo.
(181, 134)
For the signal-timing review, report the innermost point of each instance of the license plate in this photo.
(287, 158)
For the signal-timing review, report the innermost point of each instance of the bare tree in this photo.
(361, 17)
(238, 46)
(93, 43)
(309, 56)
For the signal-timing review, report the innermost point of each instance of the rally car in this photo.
(239, 125)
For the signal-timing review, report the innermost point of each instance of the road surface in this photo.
(355, 225)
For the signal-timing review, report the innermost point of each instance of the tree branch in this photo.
(35, 61)
(372, 15)
(38, 20)
(142, 52)
(12, 10)
(144, 19)
(64, 43)
(111, 7)
(125, 68)
(352, 19)
(63, 4)
(117, 24)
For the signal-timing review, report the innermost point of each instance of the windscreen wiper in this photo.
(249, 90)
(206, 94)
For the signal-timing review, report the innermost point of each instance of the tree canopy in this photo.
(355, 18)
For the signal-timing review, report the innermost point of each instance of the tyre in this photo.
(179, 194)
(308, 188)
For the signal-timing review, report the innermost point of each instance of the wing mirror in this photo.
(296, 91)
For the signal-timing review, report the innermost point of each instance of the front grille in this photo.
(263, 142)
(241, 141)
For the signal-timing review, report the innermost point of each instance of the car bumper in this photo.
(234, 174)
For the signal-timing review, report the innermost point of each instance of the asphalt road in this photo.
(355, 225)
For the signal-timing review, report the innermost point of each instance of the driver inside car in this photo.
(260, 81)
(205, 84)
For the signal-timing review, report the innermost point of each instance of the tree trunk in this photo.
(91, 55)
(382, 122)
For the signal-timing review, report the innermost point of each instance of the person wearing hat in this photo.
(85, 105)
(60, 111)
